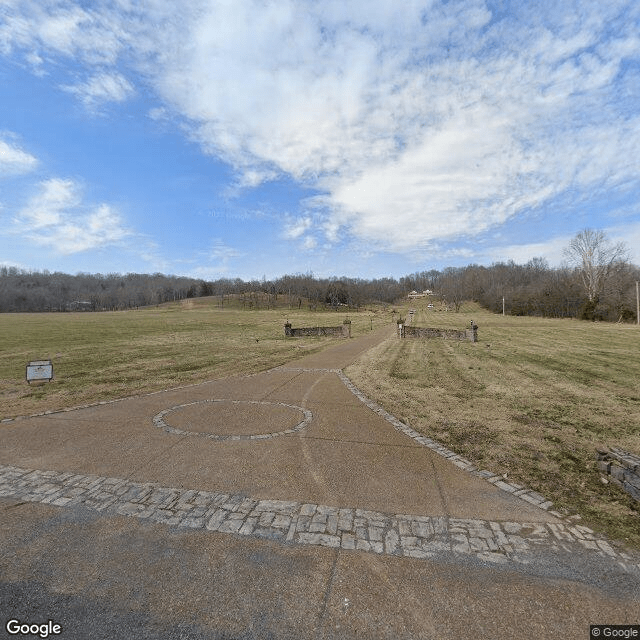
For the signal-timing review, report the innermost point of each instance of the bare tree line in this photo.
(33, 291)
(534, 289)
(22, 290)
(597, 283)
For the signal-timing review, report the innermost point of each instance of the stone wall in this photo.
(621, 468)
(471, 334)
(341, 331)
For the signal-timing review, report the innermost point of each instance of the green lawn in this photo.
(533, 399)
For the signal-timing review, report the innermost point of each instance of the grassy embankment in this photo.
(100, 356)
(531, 400)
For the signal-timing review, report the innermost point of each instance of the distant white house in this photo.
(424, 294)
(80, 305)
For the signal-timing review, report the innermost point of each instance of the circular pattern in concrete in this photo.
(221, 419)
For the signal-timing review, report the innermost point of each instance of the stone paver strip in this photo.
(519, 491)
(349, 528)
(523, 493)
(304, 523)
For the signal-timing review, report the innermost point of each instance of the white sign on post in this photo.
(39, 370)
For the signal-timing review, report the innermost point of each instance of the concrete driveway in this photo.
(283, 505)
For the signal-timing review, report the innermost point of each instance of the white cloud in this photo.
(96, 36)
(13, 265)
(552, 250)
(310, 243)
(209, 264)
(57, 218)
(221, 251)
(302, 88)
(48, 207)
(421, 123)
(36, 62)
(294, 228)
(14, 160)
(101, 88)
(158, 114)
(630, 235)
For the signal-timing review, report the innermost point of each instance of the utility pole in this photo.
(502, 305)
(637, 304)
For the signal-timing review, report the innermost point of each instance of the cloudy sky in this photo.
(242, 138)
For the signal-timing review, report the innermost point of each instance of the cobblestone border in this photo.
(532, 497)
(306, 523)
(158, 421)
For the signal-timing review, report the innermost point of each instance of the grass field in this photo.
(531, 400)
(99, 356)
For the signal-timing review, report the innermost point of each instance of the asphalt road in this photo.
(280, 506)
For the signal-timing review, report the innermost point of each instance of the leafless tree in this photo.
(452, 287)
(532, 289)
(597, 259)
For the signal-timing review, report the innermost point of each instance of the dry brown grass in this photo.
(533, 399)
(98, 356)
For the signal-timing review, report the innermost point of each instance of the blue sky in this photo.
(250, 138)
